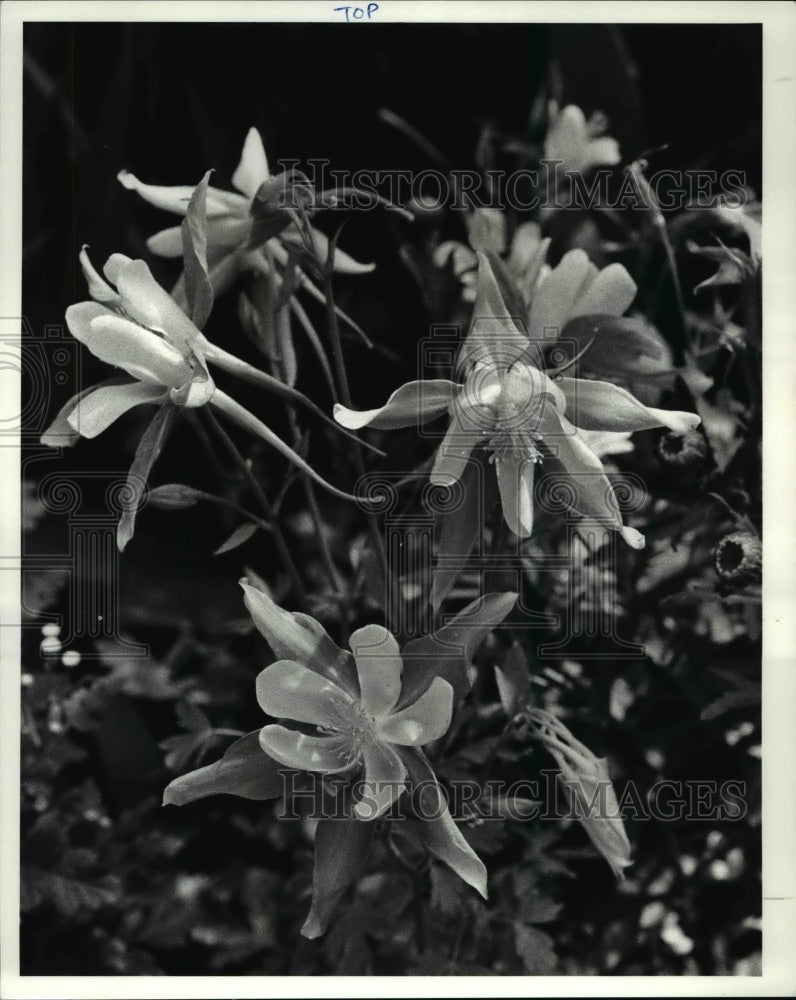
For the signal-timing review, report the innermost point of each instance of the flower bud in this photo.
(738, 558)
(588, 786)
(174, 496)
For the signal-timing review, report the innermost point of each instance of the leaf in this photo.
(244, 770)
(240, 535)
(446, 652)
(146, 454)
(513, 681)
(68, 894)
(535, 948)
(341, 849)
(198, 289)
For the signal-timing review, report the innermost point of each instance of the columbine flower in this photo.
(486, 231)
(510, 407)
(373, 709)
(246, 229)
(587, 783)
(134, 324)
(577, 143)
(359, 730)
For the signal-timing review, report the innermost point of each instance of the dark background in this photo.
(170, 101)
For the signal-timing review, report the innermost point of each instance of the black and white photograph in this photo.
(384, 597)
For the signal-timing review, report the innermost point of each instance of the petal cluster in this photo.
(233, 243)
(353, 731)
(134, 325)
(521, 411)
(578, 143)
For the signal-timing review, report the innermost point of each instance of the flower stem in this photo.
(333, 576)
(345, 397)
(265, 503)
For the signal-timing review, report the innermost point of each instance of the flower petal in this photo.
(594, 495)
(528, 251)
(555, 294)
(223, 233)
(166, 243)
(566, 136)
(515, 475)
(252, 171)
(327, 754)
(486, 229)
(98, 289)
(454, 452)
(524, 391)
(80, 315)
(243, 770)
(142, 354)
(343, 263)
(414, 403)
(113, 266)
(446, 652)
(60, 433)
(611, 293)
(495, 337)
(175, 199)
(459, 527)
(151, 305)
(603, 150)
(437, 830)
(379, 667)
(289, 690)
(341, 849)
(384, 781)
(461, 257)
(222, 276)
(426, 720)
(300, 637)
(602, 406)
(97, 410)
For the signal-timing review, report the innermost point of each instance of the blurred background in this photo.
(117, 885)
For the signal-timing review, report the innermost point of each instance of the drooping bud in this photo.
(587, 784)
